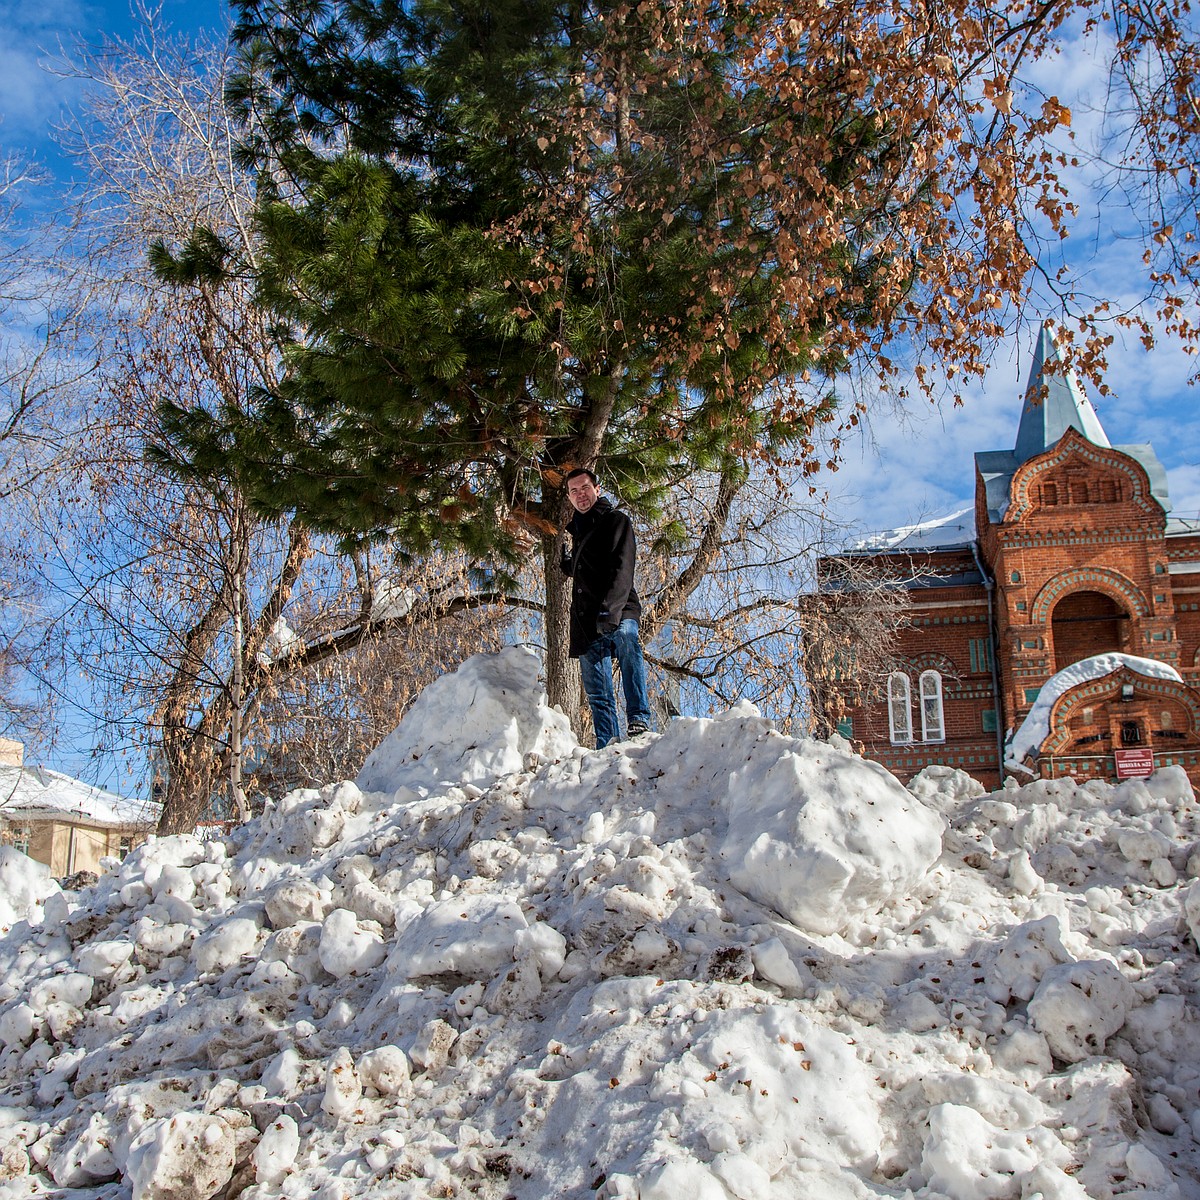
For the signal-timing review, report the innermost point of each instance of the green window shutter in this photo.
(981, 655)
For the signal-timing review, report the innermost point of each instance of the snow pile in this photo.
(487, 719)
(1036, 727)
(716, 963)
(24, 886)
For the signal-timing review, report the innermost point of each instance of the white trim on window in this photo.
(899, 692)
(933, 723)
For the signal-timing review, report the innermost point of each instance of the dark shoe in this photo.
(637, 729)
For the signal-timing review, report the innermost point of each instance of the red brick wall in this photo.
(1082, 531)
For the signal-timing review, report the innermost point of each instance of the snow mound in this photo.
(806, 828)
(485, 720)
(25, 886)
(822, 836)
(714, 963)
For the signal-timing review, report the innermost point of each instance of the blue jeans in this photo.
(595, 667)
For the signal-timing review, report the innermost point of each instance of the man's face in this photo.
(582, 493)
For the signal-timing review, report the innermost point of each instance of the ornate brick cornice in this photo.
(1073, 445)
(1107, 689)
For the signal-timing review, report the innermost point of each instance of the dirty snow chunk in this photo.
(509, 719)
(18, 1024)
(282, 1075)
(1079, 1006)
(1024, 1051)
(14, 1162)
(85, 1157)
(294, 900)
(822, 836)
(917, 1013)
(1191, 910)
(969, 1158)
(1144, 845)
(944, 789)
(1146, 1168)
(74, 989)
(385, 1069)
(25, 886)
(1024, 877)
(775, 964)
(547, 946)
(343, 1088)
(745, 1178)
(181, 1157)
(347, 949)
(224, 944)
(682, 1177)
(431, 1050)
(1052, 1184)
(276, 1151)
(1029, 952)
(174, 881)
(102, 960)
(747, 1078)
(474, 936)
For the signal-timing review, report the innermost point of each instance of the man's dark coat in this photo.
(601, 567)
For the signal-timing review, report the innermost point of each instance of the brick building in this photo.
(1072, 554)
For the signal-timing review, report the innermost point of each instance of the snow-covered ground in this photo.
(713, 963)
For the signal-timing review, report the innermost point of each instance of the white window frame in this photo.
(933, 715)
(899, 696)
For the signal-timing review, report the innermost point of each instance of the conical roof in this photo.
(1054, 402)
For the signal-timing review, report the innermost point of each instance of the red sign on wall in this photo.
(1135, 763)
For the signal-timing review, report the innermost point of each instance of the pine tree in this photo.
(474, 299)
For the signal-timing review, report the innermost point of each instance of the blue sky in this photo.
(33, 99)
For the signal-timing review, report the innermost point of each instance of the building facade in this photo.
(64, 823)
(1073, 554)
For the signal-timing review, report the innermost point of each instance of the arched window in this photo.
(899, 709)
(933, 727)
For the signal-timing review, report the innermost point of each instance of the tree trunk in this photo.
(562, 671)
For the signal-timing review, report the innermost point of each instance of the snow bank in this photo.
(487, 719)
(824, 837)
(713, 963)
(25, 886)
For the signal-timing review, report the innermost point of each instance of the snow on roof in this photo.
(1036, 726)
(953, 529)
(35, 790)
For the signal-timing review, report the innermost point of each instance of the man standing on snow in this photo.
(605, 607)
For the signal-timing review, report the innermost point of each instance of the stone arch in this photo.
(1106, 690)
(1110, 583)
